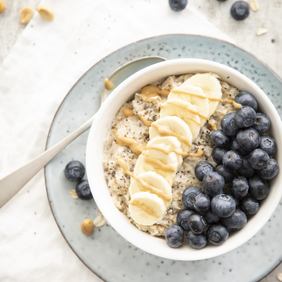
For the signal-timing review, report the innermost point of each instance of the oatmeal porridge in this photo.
(133, 148)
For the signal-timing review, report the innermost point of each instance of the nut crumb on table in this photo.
(45, 13)
(26, 15)
(2, 6)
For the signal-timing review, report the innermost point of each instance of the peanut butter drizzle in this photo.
(181, 153)
(153, 90)
(132, 144)
(123, 165)
(183, 106)
(226, 100)
(166, 132)
(145, 121)
(152, 189)
(146, 209)
(147, 187)
(157, 164)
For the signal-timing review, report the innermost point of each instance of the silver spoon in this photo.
(13, 182)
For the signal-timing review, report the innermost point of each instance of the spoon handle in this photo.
(13, 182)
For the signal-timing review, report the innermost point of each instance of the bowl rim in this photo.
(90, 160)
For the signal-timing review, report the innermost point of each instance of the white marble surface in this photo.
(266, 47)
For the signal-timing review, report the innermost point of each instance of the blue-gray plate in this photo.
(106, 253)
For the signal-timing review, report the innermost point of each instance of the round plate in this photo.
(106, 253)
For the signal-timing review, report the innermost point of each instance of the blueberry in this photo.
(211, 218)
(202, 169)
(182, 219)
(262, 123)
(268, 144)
(258, 159)
(213, 184)
(83, 190)
(237, 148)
(246, 170)
(174, 236)
(236, 221)
(223, 205)
(225, 172)
(178, 5)
(197, 224)
(202, 203)
(245, 117)
(240, 187)
(189, 195)
(248, 139)
(228, 124)
(217, 154)
(247, 99)
(196, 241)
(250, 206)
(240, 10)
(270, 170)
(259, 189)
(219, 139)
(232, 160)
(217, 235)
(74, 171)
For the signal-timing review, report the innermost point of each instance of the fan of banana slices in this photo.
(185, 111)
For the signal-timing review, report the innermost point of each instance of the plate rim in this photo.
(99, 61)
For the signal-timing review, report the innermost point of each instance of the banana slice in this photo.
(210, 86)
(167, 144)
(152, 182)
(194, 95)
(165, 165)
(185, 111)
(146, 208)
(172, 126)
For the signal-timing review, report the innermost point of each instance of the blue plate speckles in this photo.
(106, 253)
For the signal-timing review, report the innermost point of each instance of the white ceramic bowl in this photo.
(100, 129)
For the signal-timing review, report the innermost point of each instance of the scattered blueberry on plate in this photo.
(75, 171)
(233, 190)
(83, 191)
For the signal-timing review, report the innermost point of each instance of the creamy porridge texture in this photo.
(129, 136)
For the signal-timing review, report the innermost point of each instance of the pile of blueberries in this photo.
(74, 172)
(233, 190)
(240, 10)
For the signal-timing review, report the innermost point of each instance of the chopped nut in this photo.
(127, 111)
(108, 84)
(236, 105)
(26, 15)
(279, 276)
(99, 220)
(254, 5)
(45, 13)
(212, 124)
(87, 226)
(199, 153)
(73, 194)
(2, 6)
(261, 31)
